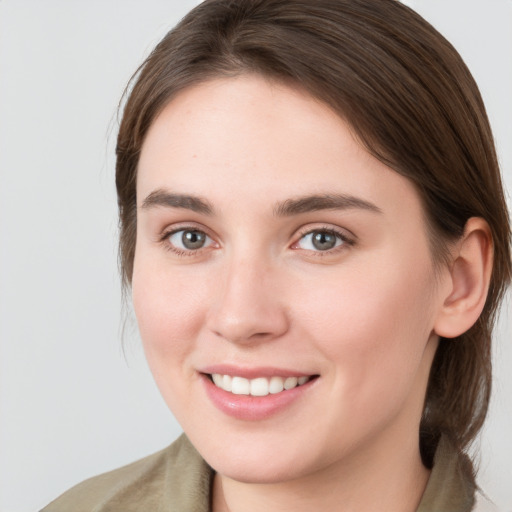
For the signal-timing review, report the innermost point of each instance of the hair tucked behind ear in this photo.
(409, 99)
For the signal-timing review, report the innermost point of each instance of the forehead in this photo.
(259, 141)
(247, 111)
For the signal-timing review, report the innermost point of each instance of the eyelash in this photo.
(164, 240)
(340, 235)
(345, 240)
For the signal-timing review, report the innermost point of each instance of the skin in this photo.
(361, 316)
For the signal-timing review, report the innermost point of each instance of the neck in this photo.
(385, 478)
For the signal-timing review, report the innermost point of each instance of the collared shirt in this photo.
(177, 479)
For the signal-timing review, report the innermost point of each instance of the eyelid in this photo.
(166, 233)
(348, 239)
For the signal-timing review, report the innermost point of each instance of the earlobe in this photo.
(470, 276)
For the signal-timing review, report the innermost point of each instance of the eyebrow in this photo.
(162, 197)
(323, 202)
(289, 207)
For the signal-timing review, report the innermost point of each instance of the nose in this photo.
(248, 308)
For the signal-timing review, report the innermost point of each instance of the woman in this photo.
(314, 231)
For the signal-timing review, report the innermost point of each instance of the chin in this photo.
(252, 463)
(261, 472)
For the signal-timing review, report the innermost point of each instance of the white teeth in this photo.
(226, 382)
(218, 380)
(276, 385)
(260, 386)
(290, 382)
(240, 386)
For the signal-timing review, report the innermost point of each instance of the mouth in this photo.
(259, 386)
(258, 392)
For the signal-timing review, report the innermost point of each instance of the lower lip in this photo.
(253, 408)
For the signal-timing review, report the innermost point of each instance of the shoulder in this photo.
(451, 486)
(172, 479)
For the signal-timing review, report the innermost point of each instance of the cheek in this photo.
(169, 312)
(373, 325)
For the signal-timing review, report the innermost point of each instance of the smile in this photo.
(260, 386)
(260, 394)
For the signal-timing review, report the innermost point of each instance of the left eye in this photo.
(320, 240)
(189, 239)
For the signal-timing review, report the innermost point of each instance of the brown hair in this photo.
(411, 101)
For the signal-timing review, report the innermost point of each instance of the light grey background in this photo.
(71, 403)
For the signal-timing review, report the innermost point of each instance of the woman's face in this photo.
(274, 252)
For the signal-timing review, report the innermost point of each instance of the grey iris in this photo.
(193, 239)
(323, 240)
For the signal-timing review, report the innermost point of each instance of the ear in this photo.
(469, 275)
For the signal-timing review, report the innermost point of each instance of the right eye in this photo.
(321, 240)
(188, 240)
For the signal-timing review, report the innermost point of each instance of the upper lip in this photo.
(252, 372)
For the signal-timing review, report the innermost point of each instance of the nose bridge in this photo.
(247, 307)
